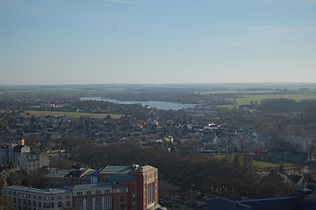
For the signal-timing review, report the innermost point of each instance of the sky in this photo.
(157, 41)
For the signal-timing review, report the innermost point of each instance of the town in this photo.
(100, 154)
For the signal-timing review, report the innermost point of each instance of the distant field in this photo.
(233, 91)
(261, 165)
(229, 106)
(246, 99)
(268, 165)
(73, 114)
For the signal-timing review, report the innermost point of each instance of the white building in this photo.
(26, 198)
(33, 161)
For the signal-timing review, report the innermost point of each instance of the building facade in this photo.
(147, 177)
(110, 188)
(32, 161)
(92, 197)
(27, 198)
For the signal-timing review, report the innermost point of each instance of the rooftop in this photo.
(48, 191)
(116, 170)
(58, 173)
(222, 203)
(88, 186)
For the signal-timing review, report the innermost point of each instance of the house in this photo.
(32, 161)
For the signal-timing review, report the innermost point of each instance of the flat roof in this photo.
(58, 173)
(35, 190)
(116, 170)
(88, 186)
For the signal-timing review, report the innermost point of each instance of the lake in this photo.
(164, 105)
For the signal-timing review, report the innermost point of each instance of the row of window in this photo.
(99, 205)
(39, 204)
(34, 196)
(120, 190)
(107, 192)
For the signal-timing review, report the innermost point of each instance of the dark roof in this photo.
(295, 178)
(225, 204)
(278, 203)
(18, 148)
(120, 179)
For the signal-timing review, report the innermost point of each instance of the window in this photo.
(89, 204)
(39, 204)
(123, 206)
(108, 202)
(79, 193)
(123, 202)
(97, 192)
(78, 203)
(123, 190)
(89, 193)
(122, 199)
(98, 203)
(150, 193)
(48, 205)
(60, 204)
(67, 203)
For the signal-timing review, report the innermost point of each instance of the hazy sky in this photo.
(157, 41)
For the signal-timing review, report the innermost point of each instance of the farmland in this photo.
(72, 114)
(246, 99)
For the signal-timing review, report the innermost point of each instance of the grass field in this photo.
(246, 99)
(73, 114)
(261, 165)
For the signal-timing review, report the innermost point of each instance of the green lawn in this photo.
(246, 99)
(260, 165)
(269, 165)
(73, 114)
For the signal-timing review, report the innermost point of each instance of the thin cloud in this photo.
(120, 1)
(272, 29)
(281, 29)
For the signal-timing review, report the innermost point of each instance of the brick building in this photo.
(141, 181)
(110, 188)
